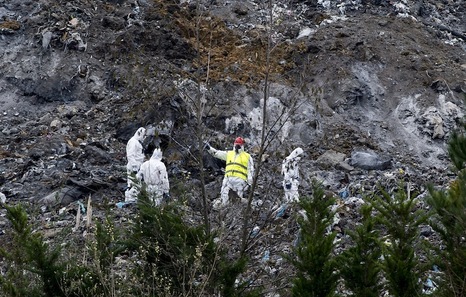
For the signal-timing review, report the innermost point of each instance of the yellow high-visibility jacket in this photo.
(237, 165)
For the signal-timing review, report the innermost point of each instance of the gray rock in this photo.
(330, 159)
(369, 160)
(426, 231)
(345, 166)
(62, 196)
(46, 37)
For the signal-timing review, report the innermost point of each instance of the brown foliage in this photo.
(10, 25)
(232, 56)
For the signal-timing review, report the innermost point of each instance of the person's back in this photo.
(135, 157)
(154, 174)
(290, 172)
(135, 151)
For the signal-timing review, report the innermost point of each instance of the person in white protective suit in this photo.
(154, 174)
(290, 172)
(239, 170)
(135, 156)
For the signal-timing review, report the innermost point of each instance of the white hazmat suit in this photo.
(154, 174)
(135, 157)
(234, 179)
(290, 172)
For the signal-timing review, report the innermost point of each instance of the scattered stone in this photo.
(330, 159)
(46, 38)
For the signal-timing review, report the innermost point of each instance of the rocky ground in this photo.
(371, 90)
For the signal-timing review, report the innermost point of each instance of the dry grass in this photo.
(240, 58)
(10, 24)
(222, 53)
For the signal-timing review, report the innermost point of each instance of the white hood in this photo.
(295, 154)
(157, 154)
(140, 134)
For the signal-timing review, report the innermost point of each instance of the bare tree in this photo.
(269, 130)
(200, 108)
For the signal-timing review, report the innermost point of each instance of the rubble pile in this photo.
(371, 90)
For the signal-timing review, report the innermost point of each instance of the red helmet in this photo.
(239, 141)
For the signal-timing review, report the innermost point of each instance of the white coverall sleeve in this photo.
(140, 174)
(222, 155)
(284, 165)
(164, 180)
(250, 170)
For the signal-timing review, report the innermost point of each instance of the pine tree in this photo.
(449, 222)
(36, 268)
(457, 149)
(314, 260)
(359, 265)
(401, 220)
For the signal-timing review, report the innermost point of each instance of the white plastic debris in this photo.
(255, 231)
(73, 22)
(281, 211)
(2, 197)
(305, 32)
(266, 256)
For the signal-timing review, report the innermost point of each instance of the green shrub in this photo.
(36, 269)
(177, 258)
(107, 244)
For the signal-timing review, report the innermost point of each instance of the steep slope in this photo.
(79, 77)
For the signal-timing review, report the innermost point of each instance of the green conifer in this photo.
(449, 221)
(35, 267)
(359, 264)
(313, 256)
(400, 219)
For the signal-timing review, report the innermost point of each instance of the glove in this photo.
(206, 146)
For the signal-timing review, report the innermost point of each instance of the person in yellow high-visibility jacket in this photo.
(239, 169)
